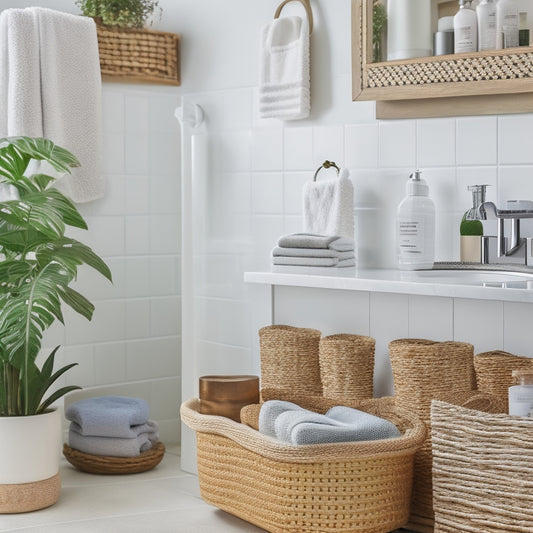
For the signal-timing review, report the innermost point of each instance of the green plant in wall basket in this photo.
(122, 13)
(38, 262)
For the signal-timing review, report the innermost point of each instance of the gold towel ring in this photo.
(307, 7)
(326, 164)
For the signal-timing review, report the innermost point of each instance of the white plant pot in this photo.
(30, 449)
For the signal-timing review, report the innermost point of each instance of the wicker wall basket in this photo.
(289, 359)
(138, 55)
(482, 471)
(494, 372)
(347, 366)
(356, 486)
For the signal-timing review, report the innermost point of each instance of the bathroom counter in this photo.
(454, 283)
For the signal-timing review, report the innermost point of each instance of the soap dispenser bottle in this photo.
(471, 228)
(465, 28)
(416, 226)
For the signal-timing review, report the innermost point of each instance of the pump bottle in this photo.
(465, 28)
(416, 226)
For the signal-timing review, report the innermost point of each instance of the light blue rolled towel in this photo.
(108, 416)
(288, 421)
(347, 425)
(115, 446)
(269, 412)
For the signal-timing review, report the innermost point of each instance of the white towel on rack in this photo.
(329, 206)
(50, 86)
(284, 86)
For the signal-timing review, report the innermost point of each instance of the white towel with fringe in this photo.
(328, 206)
(50, 86)
(284, 85)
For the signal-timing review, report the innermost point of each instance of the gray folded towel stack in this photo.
(111, 425)
(308, 249)
(291, 423)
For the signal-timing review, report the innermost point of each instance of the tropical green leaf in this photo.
(78, 302)
(43, 150)
(56, 395)
(13, 163)
(42, 180)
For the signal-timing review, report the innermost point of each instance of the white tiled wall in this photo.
(132, 345)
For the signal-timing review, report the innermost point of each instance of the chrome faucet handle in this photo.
(488, 211)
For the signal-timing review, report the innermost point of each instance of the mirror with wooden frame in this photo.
(476, 83)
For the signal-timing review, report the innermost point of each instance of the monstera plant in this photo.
(38, 262)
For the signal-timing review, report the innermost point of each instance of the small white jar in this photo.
(521, 395)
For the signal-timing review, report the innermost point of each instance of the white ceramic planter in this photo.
(30, 449)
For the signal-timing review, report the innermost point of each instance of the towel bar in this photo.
(307, 7)
(326, 164)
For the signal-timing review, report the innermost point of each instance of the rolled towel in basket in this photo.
(108, 416)
(291, 423)
(269, 413)
(115, 446)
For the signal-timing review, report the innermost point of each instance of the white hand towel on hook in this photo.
(328, 206)
(284, 87)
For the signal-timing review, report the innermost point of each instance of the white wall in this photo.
(257, 170)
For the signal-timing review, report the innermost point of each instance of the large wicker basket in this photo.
(326, 488)
(494, 372)
(138, 55)
(482, 471)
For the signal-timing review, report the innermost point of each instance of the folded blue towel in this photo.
(115, 446)
(108, 416)
(291, 423)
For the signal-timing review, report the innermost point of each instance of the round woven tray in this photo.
(103, 464)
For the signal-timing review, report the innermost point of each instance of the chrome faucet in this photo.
(502, 249)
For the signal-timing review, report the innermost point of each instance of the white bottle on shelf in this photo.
(486, 25)
(507, 25)
(416, 226)
(465, 28)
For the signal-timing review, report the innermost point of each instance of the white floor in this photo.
(162, 500)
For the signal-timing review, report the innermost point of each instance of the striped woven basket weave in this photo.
(482, 471)
(351, 486)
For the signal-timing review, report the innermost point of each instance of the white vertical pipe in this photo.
(190, 117)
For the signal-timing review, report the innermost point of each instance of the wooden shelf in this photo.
(489, 82)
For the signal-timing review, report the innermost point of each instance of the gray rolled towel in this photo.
(115, 446)
(288, 421)
(270, 411)
(350, 425)
(108, 416)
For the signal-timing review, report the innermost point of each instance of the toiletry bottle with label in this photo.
(507, 25)
(486, 25)
(521, 395)
(465, 28)
(416, 226)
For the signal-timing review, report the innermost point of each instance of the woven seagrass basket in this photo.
(104, 464)
(482, 471)
(326, 488)
(424, 370)
(289, 358)
(494, 372)
(347, 366)
(138, 55)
